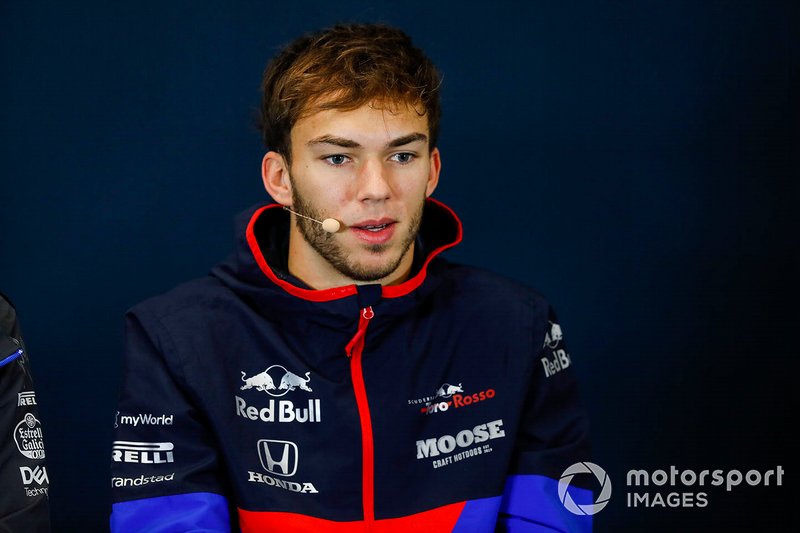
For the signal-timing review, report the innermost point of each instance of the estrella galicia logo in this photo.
(584, 468)
(553, 337)
(28, 437)
(278, 457)
(266, 380)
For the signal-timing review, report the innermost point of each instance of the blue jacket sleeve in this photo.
(553, 435)
(166, 473)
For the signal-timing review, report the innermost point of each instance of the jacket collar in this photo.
(256, 272)
(441, 229)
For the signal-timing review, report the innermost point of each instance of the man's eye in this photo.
(403, 157)
(336, 160)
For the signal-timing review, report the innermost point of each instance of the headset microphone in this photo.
(331, 225)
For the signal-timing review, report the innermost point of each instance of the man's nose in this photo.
(373, 184)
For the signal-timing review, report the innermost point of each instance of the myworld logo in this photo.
(145, 419)
(584, 468)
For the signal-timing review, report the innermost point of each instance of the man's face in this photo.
(371, 169)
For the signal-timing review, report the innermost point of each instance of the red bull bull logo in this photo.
(277, 381)
(553, 337)
(286, 381)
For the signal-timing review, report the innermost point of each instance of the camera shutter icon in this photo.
(584, 468)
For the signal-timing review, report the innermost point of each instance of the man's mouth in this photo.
(378, 231)
(373, 227)
(375, 224)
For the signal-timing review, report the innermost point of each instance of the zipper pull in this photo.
(366, 315)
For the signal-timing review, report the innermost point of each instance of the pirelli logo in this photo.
(26, 398)
(124, 451)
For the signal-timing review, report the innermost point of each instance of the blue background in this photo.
(637, 162)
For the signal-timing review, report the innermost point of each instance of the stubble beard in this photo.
(327, 246)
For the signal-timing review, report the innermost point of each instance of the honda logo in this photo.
(278, 457)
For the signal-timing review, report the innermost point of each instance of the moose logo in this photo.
(265, 381)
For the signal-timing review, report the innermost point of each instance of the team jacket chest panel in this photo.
(445, 404)
(283, 412)
(444, 392)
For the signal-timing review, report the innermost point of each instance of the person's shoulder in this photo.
(8, 314)
(480, 284)
(5, 301)
(197, 296)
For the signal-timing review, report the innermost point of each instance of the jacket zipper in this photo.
(355, 349)
(14, 355)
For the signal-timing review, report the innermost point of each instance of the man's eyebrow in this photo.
(349, 143)
(407, 139)
(336, 141)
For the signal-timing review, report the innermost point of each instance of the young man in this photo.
(336, 374)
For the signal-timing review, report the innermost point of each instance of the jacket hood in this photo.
(257, 269)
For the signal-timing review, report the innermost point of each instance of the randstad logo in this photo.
(287, 381)
(584, 468)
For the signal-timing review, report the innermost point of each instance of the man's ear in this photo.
(433, 175)
(275, 175)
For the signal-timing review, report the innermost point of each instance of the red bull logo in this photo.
(280, 411)
(553, 337)
(286, 381)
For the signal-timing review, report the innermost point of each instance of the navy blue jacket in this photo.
(445, 403)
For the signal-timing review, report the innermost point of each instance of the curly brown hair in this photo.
(344, 67)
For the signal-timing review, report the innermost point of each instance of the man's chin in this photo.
(373, 267)
(370, 273)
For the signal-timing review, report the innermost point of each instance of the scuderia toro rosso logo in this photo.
(277, 381)
(452, 396)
